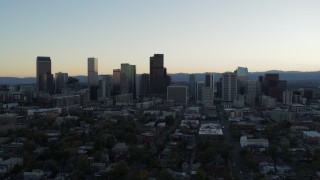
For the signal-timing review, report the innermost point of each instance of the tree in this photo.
(235, 133)
(200, 175)
(204, 144)
(169, 120)
(160, 145)
(30, 146)
(84, 164)
(243, 152)
(120, 171)
(143, 174)
(78, 175)
(270, 132)
(164, 175)
(273, 151)
(317, 154)
(285, 154)
(284, 124)
(176, 158)
(51, 166)
(136, 154)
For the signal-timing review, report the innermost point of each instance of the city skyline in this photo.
(211, 36)
(171, 89)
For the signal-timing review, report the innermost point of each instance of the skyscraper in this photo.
(144, 85)
(219, 89)
(229, 86)
(44, 76)
(251, 92)
(92, 71)
(192, 86)
(128, 79)
(116, 81)
(105, 86)
(287, 97)
(209, 81)
(272, 86)
(208, 90)
(199, 90)
(179, 94)
(159, 80)
(133, 88)
(269, 81)
(252, 87)
(93, 77)
(242, 76)
(242, 73)
(61, 80)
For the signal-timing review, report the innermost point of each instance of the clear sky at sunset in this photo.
(194, 36)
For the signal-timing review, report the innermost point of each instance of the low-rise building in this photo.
(66, 100)
(120, 151)
(312, 137)
(268, 102)
(210, 130)
(11, 163)
(234, 113)
(124, 99)
(266, 167)
(8, 121)
(179, 94)
(298, 108)
(33, 175)
(260, 143)
(35, 113)
(282, 115)
(145, 105)
(192, 113)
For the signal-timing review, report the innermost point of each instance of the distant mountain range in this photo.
(290, 76)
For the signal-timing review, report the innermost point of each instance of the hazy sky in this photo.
(194, 36)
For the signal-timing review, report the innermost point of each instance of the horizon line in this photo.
(176, 73)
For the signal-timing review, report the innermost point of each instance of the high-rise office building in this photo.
(105, 86)
(199, 91)
(144, 85)
(93, 78)
(209, 81)
(116, 81)
(133, 87)
(61, 80)
(242, 73)
(138, 85)
(251, 92)
(252, 87)
(192, 86)
(229, 86)
(272, 86)
(269, 81)
(179, 94)
(287, 97)
(242, 76)
(219, 89)
(128, 79)
(44, 76)
(208, 90)
(207, 96)
(92, 71)
(159, 80)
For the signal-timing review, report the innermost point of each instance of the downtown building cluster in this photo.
(155, 128)
(125, 86)
(122, 87)
(236, 89)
